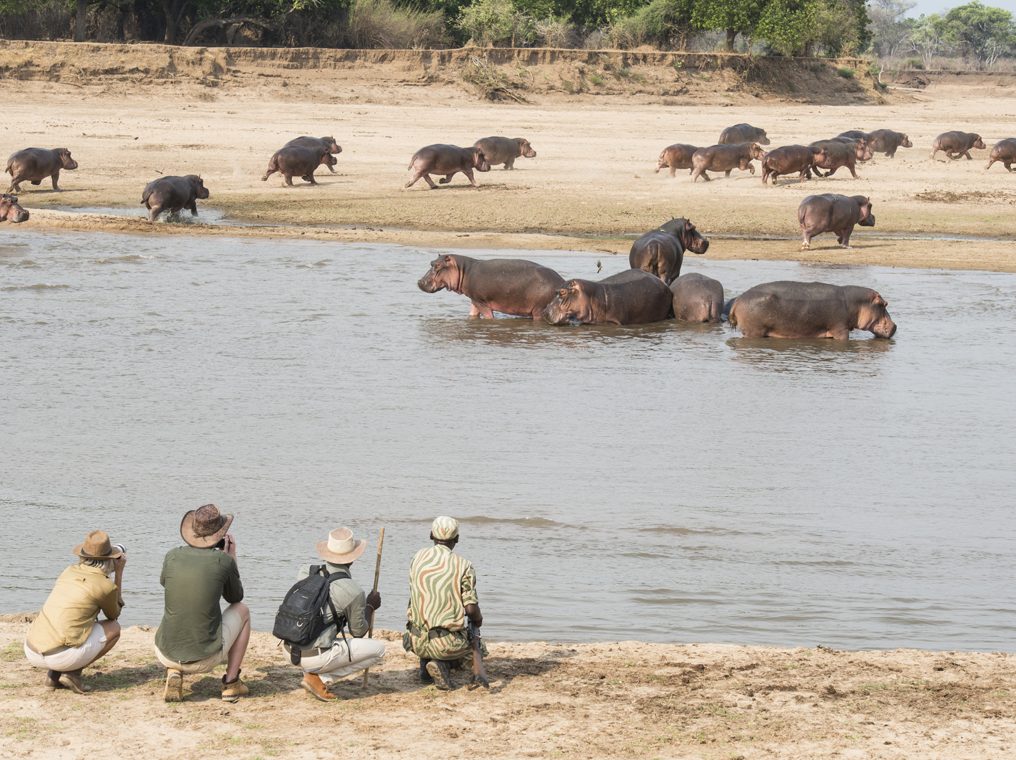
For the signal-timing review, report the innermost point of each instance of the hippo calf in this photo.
(1004, 151)
(173, 194)
(810, 310)
(676, 156)
(833, 213)
(328, 143)
(888, 142)
(10, 209)
(724, 158)
(504, 150)
(956, 144)
(510, 286)
(790, 159)
(631, 297)
(661, 251)
(697, 298)
(841, 152)
(446, 160)
(743, 133)
(296, 161)
(35, 164)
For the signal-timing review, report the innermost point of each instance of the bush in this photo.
(498, 23)
(845, 72)
(662, 23)
(382, 24)
(556, 32)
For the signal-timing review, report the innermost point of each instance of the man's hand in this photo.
(374, 600)
(119, 563)
(230, 547)
(474, 614)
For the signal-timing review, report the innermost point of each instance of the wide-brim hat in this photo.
(203, 527)
(97, 546)
(340, 547)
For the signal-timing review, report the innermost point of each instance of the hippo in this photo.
(1004, 151)
(173, 194)
(697, 298)
(723, 158)
(446, 160)
(833, 213)
(743, 133)
(810, 310)
(956, 144)
(510, 286)
(10, 209)
(888, 142)
(790, 159)
(841, 153)
(661, 251)
(676, 156)
(300, 162)
(852, 134)
(631, 297)
(327, 143)
(35, 164)
(504, 150)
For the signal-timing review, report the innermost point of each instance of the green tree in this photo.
(788, 26)
(982, 33)
(733, 17)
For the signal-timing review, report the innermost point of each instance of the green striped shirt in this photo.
(441, 584)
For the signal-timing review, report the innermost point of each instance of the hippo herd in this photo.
(653, 290)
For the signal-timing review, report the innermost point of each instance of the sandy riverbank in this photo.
(611, 700)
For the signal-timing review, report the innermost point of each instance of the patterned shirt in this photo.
(441, 584)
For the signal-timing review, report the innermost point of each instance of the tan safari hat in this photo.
(203, 527)
(340, 548)
(96, 546)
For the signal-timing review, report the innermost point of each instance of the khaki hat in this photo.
(444, 528)
(96, 546)
(340, 548)
(203, 527)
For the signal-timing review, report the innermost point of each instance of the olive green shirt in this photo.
(195, 580)
(72, 608)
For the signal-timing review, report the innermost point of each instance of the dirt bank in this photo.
(620, 700)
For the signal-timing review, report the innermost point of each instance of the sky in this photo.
(937, 6)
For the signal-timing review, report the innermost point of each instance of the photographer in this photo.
(195, 635)
(67, 636)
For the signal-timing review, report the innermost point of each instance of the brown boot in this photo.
(72, 679)
(312, 682)
(174, 686)
(233, 690)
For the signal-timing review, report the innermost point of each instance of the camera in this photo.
(120, 548)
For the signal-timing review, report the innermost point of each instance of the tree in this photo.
(982, 33)
(788, 25)
(929, 37)
(890, 31)
(733, 17)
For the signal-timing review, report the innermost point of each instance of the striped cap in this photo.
(444, 528)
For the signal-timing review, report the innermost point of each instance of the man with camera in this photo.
(195, 635)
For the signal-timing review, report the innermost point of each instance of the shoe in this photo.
(438, 670)
(53, 679)
(425, 677)
(174, 686)
(72, 680)
(233, 690)
(312, 683)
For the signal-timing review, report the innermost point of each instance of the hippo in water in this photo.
(173, 194)
(956, 144)
(631, 297)
(328, 143)
(446, 160)
(10, 209)
(790, 159)
(510, 286)
(296, 161)
(841, 152)
(743, 133)
(724, 158)
(504, 150)
(676, 156)
(35, 164)
(833, 213)
(888, 142)
(661, 251)
(697, 298)
(1004, 151)
(810, 310)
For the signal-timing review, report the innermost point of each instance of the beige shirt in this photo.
(72, 608)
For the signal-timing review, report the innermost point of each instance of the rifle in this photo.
(479, 670)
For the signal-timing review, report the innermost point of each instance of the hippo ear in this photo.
(688, 226)
(877, 300)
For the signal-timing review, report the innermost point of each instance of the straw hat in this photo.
(340, 548)
(96, 546)
(444, 528)
(203, 527)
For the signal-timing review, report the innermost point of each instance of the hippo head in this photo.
(763, 139)
(756, 150)
(480, 161)
(691, 239)
(66, 162)
(327, 159)
(905, 143)
(978, 142)
(571, 303)
(333, 147)
(867, 218)
(10, 210)
(444, 273)
(525, 149)
(200, 191)
(873, 316)
(862, 150)
(818, 155)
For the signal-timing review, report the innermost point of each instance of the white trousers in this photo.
(334, 663)
(71, 658)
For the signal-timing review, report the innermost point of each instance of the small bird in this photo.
(599, 267)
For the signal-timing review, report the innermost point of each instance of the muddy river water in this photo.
(659, 483)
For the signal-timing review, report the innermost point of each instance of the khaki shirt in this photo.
(72, 608)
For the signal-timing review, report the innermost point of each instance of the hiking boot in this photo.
(438, 670)
(174, 686)
(424, 675)
(53, 679)
(233, 690)
(72, 680)
(312, 683)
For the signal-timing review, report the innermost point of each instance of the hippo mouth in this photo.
(22, 216)
(699, 246)
(868, 221)
(428, 284)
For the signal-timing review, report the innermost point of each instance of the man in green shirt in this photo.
(195, 635)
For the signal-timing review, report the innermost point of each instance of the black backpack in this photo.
(301, 616)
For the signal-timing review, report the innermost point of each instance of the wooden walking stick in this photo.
(377, 577)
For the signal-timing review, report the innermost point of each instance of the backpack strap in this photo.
(340, 622)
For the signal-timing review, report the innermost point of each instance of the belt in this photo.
(309, 651)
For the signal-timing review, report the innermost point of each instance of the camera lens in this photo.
(120, 548)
